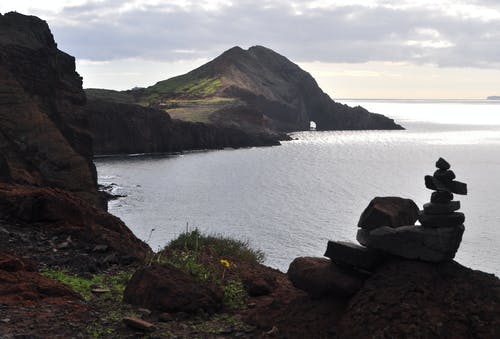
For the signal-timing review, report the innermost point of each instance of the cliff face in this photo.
(47, 177)
(40, 140)
(119, 128)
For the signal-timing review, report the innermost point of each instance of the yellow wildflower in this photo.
(225, 263)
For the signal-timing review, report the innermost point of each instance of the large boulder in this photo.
(348, 254)
(389, 211)
(164, 288)
(320, 277)
(414, 242)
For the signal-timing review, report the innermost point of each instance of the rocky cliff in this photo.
(41, 141)
(48, 181)
(121, 128)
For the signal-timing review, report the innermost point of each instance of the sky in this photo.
(354, 48)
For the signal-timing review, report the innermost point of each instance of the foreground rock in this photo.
(56, 212)
(320, 277)
(165, 288)
(414, 242)
(413, 299)
(388, 211)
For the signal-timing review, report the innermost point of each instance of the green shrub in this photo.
(218, 245)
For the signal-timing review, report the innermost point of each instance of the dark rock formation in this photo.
(320, 277)
(42, 141)
(414, 242)
(167, 289)
(48, 178)
(388, 211)
(352, 255)
(413, 299)
(119, 128)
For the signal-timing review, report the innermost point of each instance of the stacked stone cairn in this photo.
(387, 230)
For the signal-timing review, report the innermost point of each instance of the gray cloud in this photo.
(104, 31)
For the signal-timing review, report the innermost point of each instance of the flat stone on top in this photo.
(353, 255)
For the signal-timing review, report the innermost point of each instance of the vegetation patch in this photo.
(218, 245)
(213, 258)
(185, 86)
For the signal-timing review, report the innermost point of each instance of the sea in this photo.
(289, 200)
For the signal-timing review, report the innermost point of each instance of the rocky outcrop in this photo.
(48, 182)
(42, 141)
(413, 299)
(61, 214)
(120, 128)
(164, 288)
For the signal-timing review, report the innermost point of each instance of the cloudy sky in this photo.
(354, 48)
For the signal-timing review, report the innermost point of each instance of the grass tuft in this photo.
(217, 245)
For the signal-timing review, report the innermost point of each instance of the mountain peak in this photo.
(256, 89)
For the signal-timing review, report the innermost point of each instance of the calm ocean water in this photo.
(289, 200)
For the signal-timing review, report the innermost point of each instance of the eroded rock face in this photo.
(388, 211)
(414, 242)
(167, 289)
(320, 277)
(42, 139)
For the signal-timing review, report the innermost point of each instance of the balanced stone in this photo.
(444, 175)
(441, 220)
(441, 197)
(432, 208)
(389, 211)
(348, 254)
(452, 186)
(442, 164)
(414, 242)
